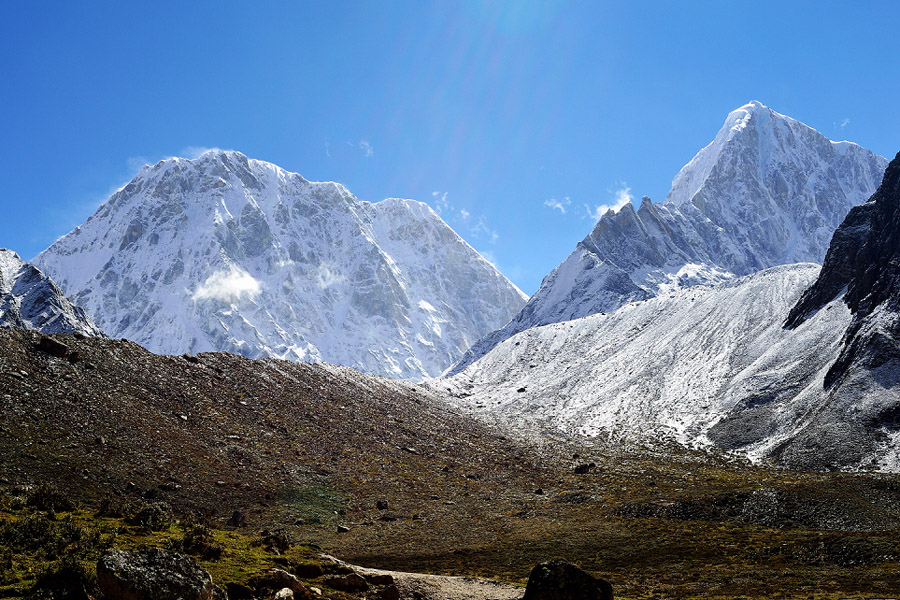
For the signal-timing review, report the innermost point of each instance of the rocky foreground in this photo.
(251, 465)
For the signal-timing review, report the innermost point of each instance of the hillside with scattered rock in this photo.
(248, 463)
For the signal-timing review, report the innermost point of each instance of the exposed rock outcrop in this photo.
(152, 574)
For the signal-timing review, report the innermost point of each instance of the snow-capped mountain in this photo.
(768, 190)
(229, 253)
(30, 300)
(787, 363)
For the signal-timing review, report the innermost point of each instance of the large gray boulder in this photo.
(152, 574)
(561, 580)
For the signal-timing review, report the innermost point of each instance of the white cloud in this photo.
(363, 145)
(481, 228)
(440, 202)
(136, 163)
(228, 285)
(845, 122)
(326, 278)
(446, 210)
(195, 151)
(621, 197)
(558, 204)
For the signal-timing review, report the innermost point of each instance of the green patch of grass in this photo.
(317, 504)
(42, 550)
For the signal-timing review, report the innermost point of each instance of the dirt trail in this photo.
(442, 587)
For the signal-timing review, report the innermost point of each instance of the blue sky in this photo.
(500, 115)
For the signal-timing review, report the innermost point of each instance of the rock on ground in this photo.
(561, 580)
(152, 574)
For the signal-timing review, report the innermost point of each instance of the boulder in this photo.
(379, 579)
(284, 594)
(347, 583)
(561, 580)
(52, 347)
(584, 468)
(308, 570)
(152, 574)
(238, 519)
(274, 580)
(390, 592)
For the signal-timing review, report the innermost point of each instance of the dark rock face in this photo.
(152, 574)
(53, 347)
(864, 259)
(560, 580)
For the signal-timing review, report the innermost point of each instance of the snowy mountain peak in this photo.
(224, 252)
(30, 300)
(767, 191)
(713, 365)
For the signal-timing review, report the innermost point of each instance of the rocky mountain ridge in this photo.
(768, 190)
(31, 300)
(228, 253)
(862, 267)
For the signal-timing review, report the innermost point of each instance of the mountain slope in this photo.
(768, 190)
(229, 253)
(31, 300)
(708, 366)
(862, 269)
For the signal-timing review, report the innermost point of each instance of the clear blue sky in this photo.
(491, 112)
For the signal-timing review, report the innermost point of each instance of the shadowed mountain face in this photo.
(863, 264)
(30, 300)
(228, 253)
(767, 191)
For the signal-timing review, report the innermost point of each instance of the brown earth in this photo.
(424, 488)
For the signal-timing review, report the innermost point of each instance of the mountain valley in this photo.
(700, 402)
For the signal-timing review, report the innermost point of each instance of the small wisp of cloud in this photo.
(440, 202)
(193, 152)
(621, 197)
(228, 285)
(363, 145)
(481, 228)
(326, 277)
(559, 205)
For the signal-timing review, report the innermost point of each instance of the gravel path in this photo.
(442, 587)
